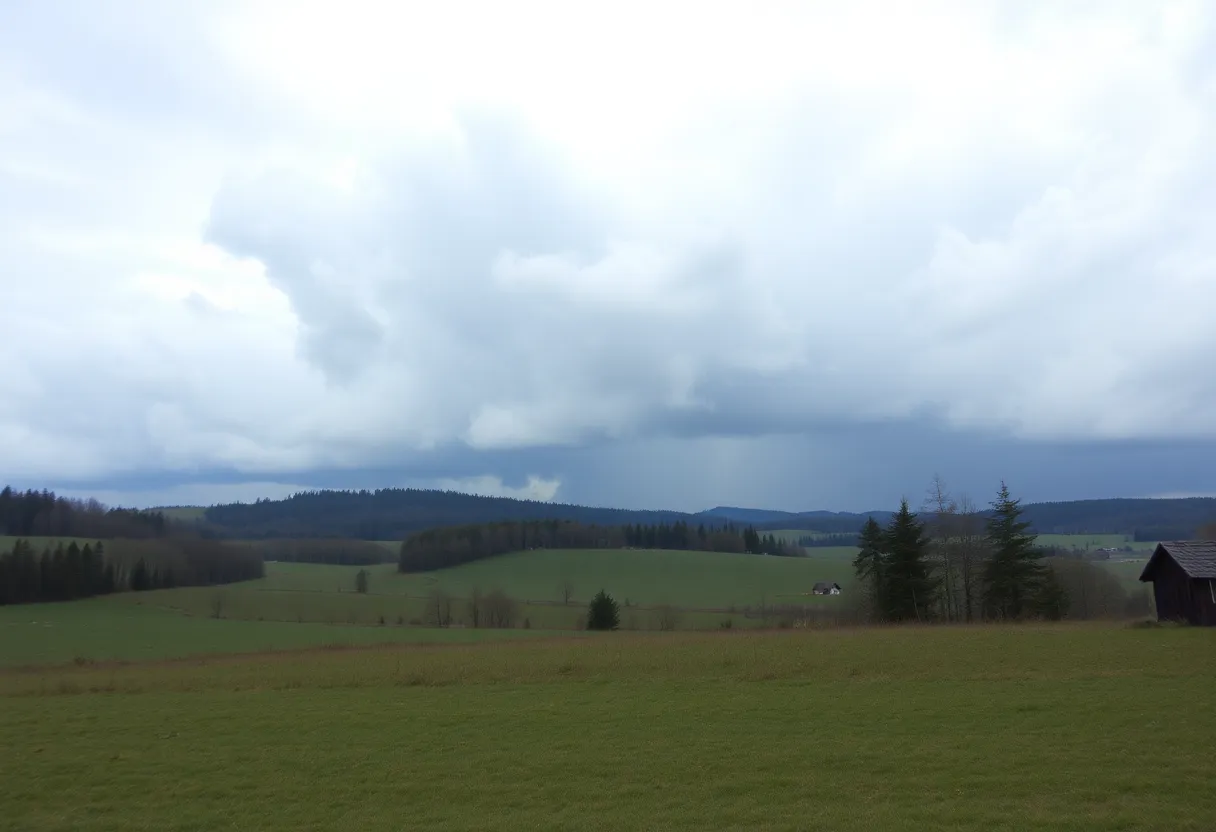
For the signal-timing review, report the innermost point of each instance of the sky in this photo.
(664, 255)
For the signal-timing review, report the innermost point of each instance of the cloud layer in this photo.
(445, 253)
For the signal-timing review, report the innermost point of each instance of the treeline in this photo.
(445, 547)
(43, 514)
(67, 572)
(62, 574)
(341, 552)
(964, 565)
(393, 513)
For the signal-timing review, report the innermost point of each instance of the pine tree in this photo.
(868, 565)
(908, 586)
(139, 576)
(1014, 576)
(603, 613)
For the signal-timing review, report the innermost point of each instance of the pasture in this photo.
(126, 627)
(1065, 727)
(705, 588)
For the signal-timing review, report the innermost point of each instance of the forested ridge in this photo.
(446, 547)
(394, 513)
(45, 514)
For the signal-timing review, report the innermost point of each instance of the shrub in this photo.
(603, 613)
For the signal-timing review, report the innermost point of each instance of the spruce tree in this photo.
(868, 565)
(908, 585)
(603, 613)
(1014, 576)
(139, 577)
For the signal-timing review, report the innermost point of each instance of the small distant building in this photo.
(1183, 574)
(826, 588)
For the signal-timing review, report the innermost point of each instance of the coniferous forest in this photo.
(446, 547)
(130, 550)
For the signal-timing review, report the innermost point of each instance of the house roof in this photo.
(825, 584)
(1196, 557)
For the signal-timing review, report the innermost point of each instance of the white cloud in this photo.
(536, 488)
(365, 229)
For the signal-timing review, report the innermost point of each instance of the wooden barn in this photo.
(1184, 581)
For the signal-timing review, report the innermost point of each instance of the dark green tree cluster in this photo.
(63, 573)
(451, 546)
(68, 572)
(767, 544)
(893, 565)
(43, 514)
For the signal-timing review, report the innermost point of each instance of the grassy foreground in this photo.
(1069, 727)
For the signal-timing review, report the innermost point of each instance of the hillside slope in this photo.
(391, 514)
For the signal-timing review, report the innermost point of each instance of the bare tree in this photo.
(438, 608)
(567, 591)
(667, 617)
(942, 515)
(971, 553)
(501, 611)
(217, 605)
(474, 608)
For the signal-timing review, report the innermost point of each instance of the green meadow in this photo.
(708, 590)
(1063, 727)
(126, 627)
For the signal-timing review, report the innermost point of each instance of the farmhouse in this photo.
(1184, 581)
(826, 588)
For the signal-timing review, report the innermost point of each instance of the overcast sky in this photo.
(790, 255)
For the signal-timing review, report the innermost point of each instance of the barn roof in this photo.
(1196, 557)
(825, 584)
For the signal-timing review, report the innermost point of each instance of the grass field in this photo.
(182, 513)
(126, 627)
(1097, 541)
(1070, 727)
(709, 588)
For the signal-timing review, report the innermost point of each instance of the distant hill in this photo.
(749, 515)
(391, 514)
(1144, 519)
